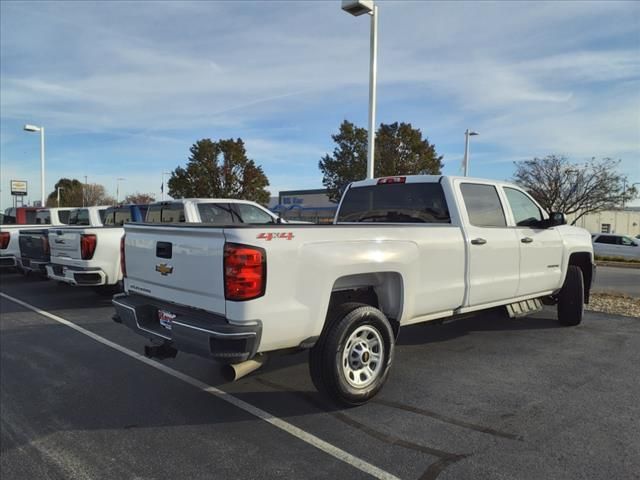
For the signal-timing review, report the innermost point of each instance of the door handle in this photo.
(526, 240)
(478, 241)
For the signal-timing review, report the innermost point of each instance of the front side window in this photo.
(216, 213)
(252, 214)
(525, 212)
(627, 242)
(483, 205)
(395, 203)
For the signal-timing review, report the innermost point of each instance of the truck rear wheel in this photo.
(351, 360)
(571, 298)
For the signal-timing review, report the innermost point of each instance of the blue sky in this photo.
(124, 88)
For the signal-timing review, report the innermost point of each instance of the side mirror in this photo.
(557, 218)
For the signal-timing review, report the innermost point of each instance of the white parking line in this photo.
(306, 437)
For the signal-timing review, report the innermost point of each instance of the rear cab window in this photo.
(166, 213)
(63, 216)
(395, 203)
(43, 217)
(79, 216)
(483, 205)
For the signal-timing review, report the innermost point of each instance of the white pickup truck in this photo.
(403, 250)
(9, 234)
(91, 256)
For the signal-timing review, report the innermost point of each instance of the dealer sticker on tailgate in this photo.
(165, 318)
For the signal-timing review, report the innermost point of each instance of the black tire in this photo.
(571, 298)
(326, 357)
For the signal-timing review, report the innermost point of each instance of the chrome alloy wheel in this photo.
(362, 356)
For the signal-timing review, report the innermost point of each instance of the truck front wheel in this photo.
(351, 360)
(571, 297)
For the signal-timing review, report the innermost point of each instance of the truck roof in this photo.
(426, 179)
(203, 200)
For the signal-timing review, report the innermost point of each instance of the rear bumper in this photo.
(192, 331)
(77, 276)
(8, 261)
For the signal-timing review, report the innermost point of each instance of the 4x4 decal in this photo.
(270, 236)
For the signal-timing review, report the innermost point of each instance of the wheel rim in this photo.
(363, 356)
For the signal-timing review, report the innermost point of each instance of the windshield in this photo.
(395, 203)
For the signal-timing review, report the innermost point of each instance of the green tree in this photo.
(400, 150)
(74, 193)
(559, 185)
(219, 170)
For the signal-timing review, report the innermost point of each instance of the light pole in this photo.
(59, 188)
(118, 189)
(84, 191)
(33, 128)
(465, 162)
(162, 185)
(357, 8)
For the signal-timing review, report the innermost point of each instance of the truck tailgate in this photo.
(181, 265)
(34, 245)
(65, 243)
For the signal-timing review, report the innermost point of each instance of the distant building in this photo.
(307, 205)
(624, 221)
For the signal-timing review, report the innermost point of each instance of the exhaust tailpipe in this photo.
(236, 371)
(160, 352)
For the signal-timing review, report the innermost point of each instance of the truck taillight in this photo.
(4, 239)
(387, 180)
(245, 272)
(123, 265)
(45, 245)
(87, 246)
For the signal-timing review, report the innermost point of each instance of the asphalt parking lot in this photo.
(485, 397)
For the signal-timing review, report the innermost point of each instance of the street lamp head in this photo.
(358, 7)
(473, 133)
(31, 128)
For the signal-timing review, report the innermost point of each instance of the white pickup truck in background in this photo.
(9, 234)
(403, 250)
(91, 256)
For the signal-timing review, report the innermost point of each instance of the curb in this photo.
(617, 264)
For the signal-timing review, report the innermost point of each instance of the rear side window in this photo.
(217, 213)
(395, 203)
(252, 214)
(483, 205)
(525, 212)
(79, 217)
(166, 213)
(608, 239)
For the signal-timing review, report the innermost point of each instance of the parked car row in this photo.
(618, 246)
(229, 281)
(81, 246)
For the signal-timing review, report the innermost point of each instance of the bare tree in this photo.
(574, 189)
(140, 198)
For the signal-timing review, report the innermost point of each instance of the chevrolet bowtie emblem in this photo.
(164, 269)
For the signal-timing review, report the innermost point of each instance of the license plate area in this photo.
(165, 319)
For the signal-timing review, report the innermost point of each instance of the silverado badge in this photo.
(164, 269)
